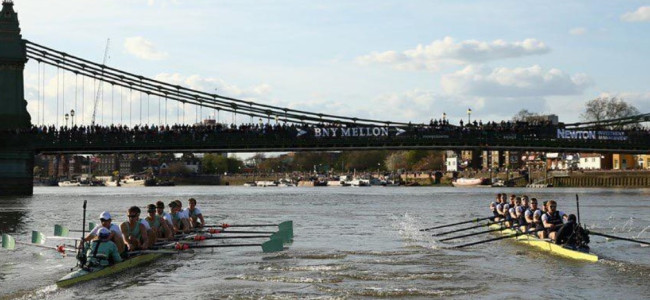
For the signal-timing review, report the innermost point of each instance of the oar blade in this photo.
(8, 242)
(38, 238)
(91, 226)
(59, 230)
(270, 246)
(288, 227)
(281, 235)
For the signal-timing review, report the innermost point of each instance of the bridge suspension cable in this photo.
(186, 95)
(618, 122)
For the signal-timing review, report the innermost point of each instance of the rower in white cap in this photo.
(115, 232)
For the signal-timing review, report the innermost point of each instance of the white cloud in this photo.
(637, 99)
(448, 51)
(578, 31)
(518, 82)
(642, 14)
(143, 48)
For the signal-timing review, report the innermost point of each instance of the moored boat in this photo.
(532, 240)
(67, 183)
(467, 182)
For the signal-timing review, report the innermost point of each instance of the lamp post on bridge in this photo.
(444, 117)
(66, 116)
(72, 118)
(469, 113)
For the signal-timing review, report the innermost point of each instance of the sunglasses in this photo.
(553, 206)
(103, 220)
(151, 210)
(133, 216)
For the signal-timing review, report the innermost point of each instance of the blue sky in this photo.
(393, 60)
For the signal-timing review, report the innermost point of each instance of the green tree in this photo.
(234, 164)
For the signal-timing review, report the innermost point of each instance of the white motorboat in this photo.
(132, 181)
(111, 183)
(467, 182)
(67, 183)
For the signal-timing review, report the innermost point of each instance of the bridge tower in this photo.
(16, 161)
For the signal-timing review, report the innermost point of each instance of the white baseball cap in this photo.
(105, 215)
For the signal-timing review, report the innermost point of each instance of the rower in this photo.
(179, 224)
(503, 207)
(552, 220)
(493, 207)
(160, 227)
(183, 213)
(533, 216)
(572, 235)
(102, 252)
(151, 236)
(512, 212)
(194, 214)
(134, 232)
(115, 232)
(160, 210)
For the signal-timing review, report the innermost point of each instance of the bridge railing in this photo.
(287, 138)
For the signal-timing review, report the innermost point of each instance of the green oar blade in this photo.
(281, 235)
(288, 227)
(272, 246)
(8, 242)
(91, 226)
(38, 238)
(60, 230)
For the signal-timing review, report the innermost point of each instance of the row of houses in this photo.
(499, 160)
(70, 166)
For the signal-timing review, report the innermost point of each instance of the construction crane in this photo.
(101, 83)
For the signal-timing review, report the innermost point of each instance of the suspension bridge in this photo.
(99, 109)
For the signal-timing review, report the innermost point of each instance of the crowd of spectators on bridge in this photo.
(218, 131)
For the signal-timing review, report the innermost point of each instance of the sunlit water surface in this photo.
(350, 243)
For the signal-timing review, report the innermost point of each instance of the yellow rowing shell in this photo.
(534, 241)
(81, 275)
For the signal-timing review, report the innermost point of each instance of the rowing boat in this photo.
(83, 274)
(548, 246)
(138, 258)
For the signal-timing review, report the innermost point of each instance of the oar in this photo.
(286, 226)
(578, 208)
(281, 234)
(137, 252)
(618, 237)
(473, 234)
(224, 225)
(459, 223)
(217, 231)
(60, 230)
(498, 238)
(267, 247)
(9, 243)
(467, 228)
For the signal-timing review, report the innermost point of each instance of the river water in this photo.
(349, 243)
